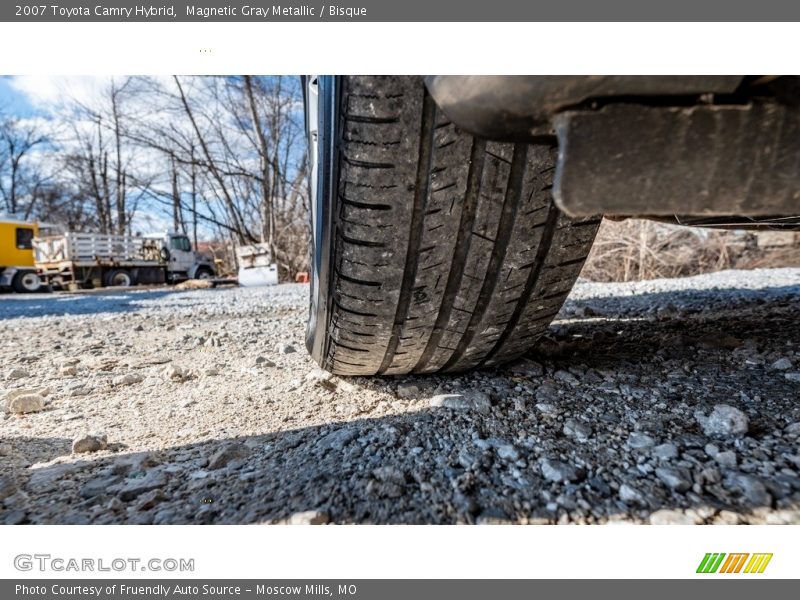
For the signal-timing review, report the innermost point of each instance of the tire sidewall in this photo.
(113, 275)
(322, 193)
(27, 282)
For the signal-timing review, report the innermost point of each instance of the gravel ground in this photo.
(671, 401)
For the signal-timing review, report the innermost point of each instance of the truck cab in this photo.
(182, 260)
(17, 269)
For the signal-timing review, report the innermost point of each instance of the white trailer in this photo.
(256, 266)
(85, 260)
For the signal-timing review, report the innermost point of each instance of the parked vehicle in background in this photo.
(17, 269)
(90, 260)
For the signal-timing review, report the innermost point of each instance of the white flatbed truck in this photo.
(90, 260)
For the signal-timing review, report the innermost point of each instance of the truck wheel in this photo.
(433, 251)
(204, 273)
(26, 282)
(119, 278)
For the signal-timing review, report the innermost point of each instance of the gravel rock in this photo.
(7, 487)
(724, 420)
(99, 486)
(128, 379)
(16, 373)
(726, 459)
(640, 441)
(26, 403)
(285, 349)
(782, 364)
(577, 430)
(68, 371)
(407, 390)
(528, 368)
(359, 451)
(558, 471)
(388, 482)
(566, 377)
(507, 452)
(133, 487)
(631, 495)
(753, 490)
(793, 376)
(671, 517)
(227, 454)
(309, 517)
(674, 479)
(15, 517)
(665, 451)
(546, 408)
(175, 373)
(263, 361)
(337, 440)
(466, 400)
(89, 443)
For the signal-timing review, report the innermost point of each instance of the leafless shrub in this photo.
(633, 250)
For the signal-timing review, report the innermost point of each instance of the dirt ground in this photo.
(666, 401)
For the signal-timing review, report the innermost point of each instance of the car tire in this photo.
(432, 250)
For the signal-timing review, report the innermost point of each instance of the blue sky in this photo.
(12, 101)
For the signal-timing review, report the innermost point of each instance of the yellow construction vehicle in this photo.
(17, 268)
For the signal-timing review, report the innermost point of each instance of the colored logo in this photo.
(719, 562)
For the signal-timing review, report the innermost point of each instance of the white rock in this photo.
(316, 374)
(577, 430)
(555, 470)
(407, 390)
(175, 373)
(309, 517)
(89, 443)
(26, 403)
(671, 517)
(466, 400)
(546, 408)
(630, 495)
(724, 420)
(639, 441)
(507, 452)
(675, 479)
(665, 451)
(726, 459)
(127, 379)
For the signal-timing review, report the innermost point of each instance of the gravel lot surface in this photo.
(671, 401)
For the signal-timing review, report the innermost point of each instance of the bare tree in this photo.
(18, 138)
(221, 156)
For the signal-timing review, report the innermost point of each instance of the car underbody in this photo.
(720, 151)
